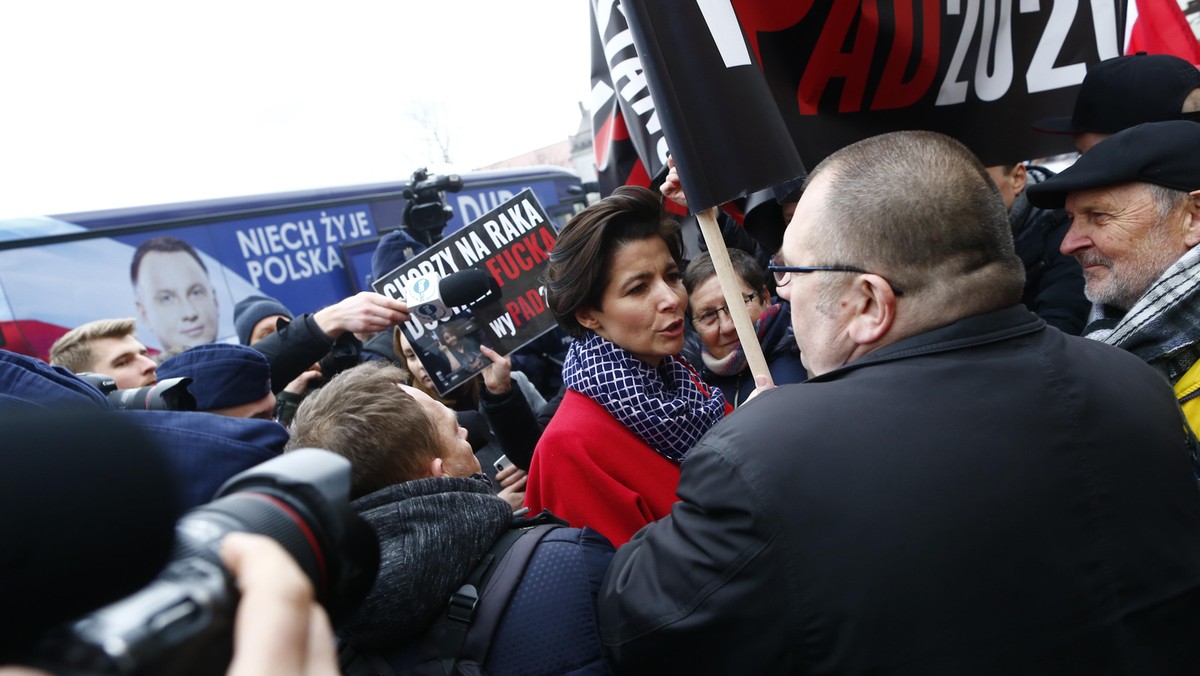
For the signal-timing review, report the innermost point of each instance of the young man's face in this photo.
(458, 459)
(124, 360)
(176, 300)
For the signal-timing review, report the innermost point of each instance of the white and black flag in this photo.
(832, 73)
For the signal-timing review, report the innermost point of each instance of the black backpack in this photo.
(459, 640)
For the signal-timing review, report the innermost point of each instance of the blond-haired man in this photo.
(106, 346)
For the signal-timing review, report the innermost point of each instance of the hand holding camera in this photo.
(183, 621)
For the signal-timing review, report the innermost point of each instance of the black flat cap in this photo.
(1121, 92)
(1162, 153)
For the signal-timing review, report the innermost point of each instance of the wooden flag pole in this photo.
(732, 290)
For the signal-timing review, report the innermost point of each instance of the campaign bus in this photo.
(306, 249)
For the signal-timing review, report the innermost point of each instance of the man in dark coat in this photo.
(202, 451)
(1053, 280)
(299, 344)
(956, 490)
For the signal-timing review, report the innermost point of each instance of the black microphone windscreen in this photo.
(466, 287)
(89, 517)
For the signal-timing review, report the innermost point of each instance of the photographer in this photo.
(202, 451)
(106, 346)
(103, 484)
(229, 380)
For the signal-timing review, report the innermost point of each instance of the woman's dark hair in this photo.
(701, 268)
(579, 265)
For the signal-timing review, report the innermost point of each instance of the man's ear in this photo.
(1191, 235)
(873, 304)
(587, 318)
(1020, 178)
(436, 469)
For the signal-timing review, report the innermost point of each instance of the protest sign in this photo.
(510, 243)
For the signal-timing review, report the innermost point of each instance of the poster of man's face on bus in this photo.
(175, 298)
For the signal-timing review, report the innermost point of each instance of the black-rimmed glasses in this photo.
(783, 272)
(709, 319)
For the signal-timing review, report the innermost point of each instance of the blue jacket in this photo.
(432, 533)
(203, 450)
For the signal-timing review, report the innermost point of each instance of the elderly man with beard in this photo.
(1134, 200)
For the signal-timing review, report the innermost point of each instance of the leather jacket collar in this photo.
(980, 329)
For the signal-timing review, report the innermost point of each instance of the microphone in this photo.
(91, 517)
(431, 298)
(468, 287)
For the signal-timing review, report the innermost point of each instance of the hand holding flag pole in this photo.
(731, 289)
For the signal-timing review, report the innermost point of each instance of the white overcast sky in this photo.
(113, 103)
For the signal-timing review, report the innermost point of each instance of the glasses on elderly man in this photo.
(783, 272)
(709, 319)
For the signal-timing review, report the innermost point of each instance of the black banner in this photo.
(980, 71)
(626, 135)
(725, 134)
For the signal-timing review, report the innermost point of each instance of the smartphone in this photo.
(502, 463)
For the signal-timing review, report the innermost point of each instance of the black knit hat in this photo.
(250, 310)
(1162, 153)
(1125, 91)
(394, 249)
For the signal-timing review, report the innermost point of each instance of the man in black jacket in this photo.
(1053, 280)
(299, 344)
(956, 489)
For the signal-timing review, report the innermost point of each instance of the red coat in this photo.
(592, 471)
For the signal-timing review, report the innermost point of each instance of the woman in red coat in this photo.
(609, 459)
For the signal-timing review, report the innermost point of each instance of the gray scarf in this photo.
(432, 533)
(1163, 326)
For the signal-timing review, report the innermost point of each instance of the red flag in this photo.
(1159, 27)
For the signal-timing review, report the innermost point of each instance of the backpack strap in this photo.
(470, 625)
(352, 662)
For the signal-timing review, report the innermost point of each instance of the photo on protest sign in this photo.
(502, 305)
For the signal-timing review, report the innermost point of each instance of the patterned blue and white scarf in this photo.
(665, 406)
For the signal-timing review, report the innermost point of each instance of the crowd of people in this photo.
(975, 452)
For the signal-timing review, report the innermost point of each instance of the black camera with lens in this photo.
(182, 622)
(168, 394)
(426, 213)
